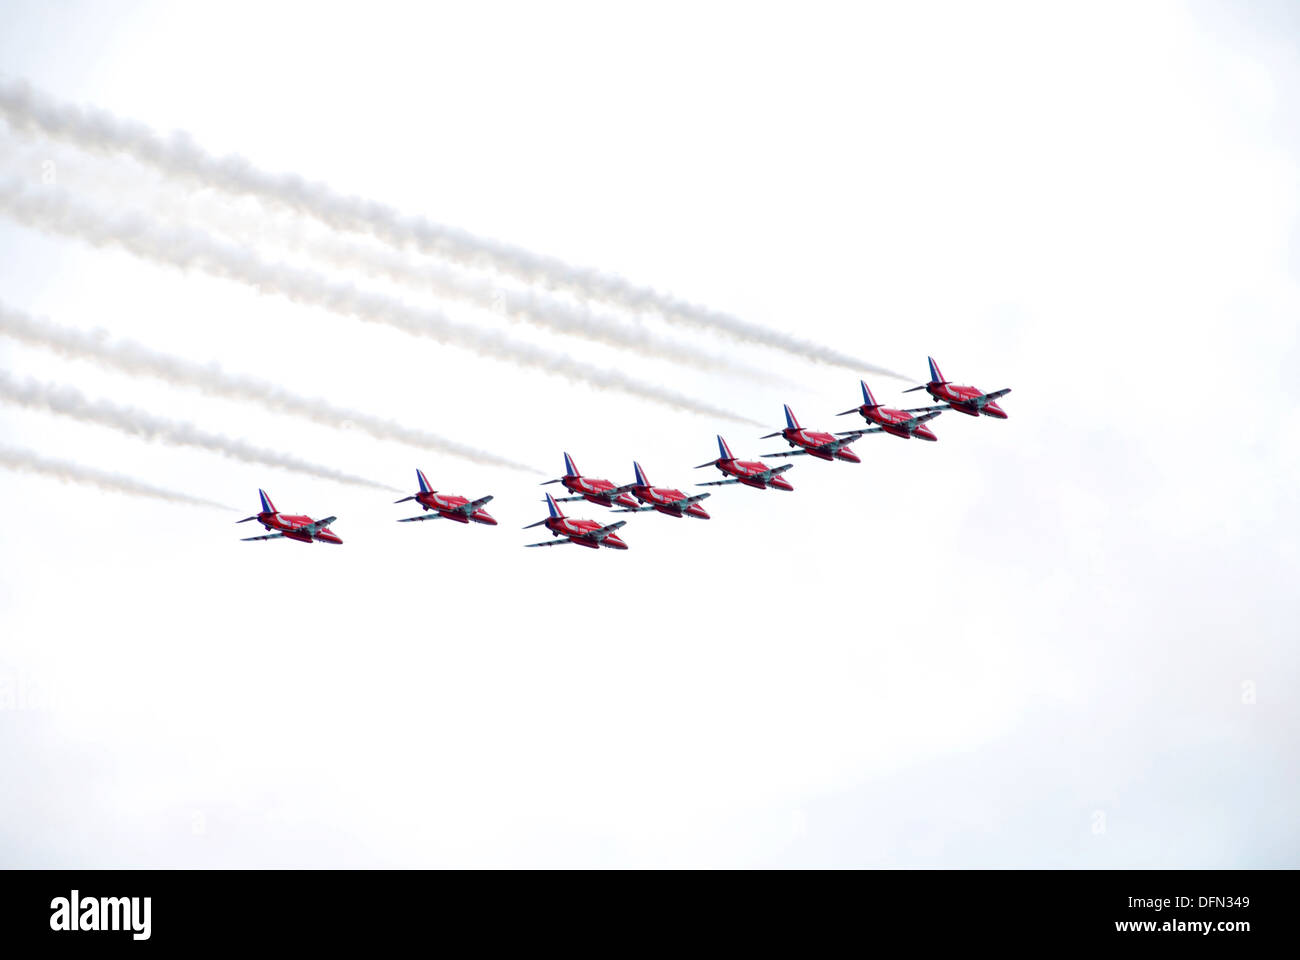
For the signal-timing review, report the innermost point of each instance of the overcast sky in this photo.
(1067, 639)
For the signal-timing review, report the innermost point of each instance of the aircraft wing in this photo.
(605, 531)
(476, 504)
(633, 509)
(681, 504)
(550, 543)
(941, 407)
(316, 526)
(427, 516)
(716, 483)
(988, 398)
(269, 536)
(776, 471)
(838, 445)
(788, 453)
(917, 421)
(835, 446)
(600, 494)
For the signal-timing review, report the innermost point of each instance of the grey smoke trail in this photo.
(185, 248)
(69, 402)
(524, 304)
(136, 359)
(15, 458)
(562, 315)
(179, 156)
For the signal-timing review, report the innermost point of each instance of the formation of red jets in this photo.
(641, 495)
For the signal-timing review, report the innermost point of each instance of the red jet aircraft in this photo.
(600, 492)
(971, 401)
(302, 529)
(666, 500)
(585, 533)
(900, 423)
(823, 446)
(447, 506)
(752, 473)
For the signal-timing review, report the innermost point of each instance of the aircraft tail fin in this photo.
(791, 420)
(724, 451)
(640, 475)
(936, 375)
(267, 505)
(554, 507)
(867, 396)
(424, 482)
(570, 468)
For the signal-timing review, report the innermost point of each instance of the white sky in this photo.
(1025, 645)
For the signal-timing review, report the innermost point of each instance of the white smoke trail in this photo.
(69, 402)
(560, 315)
(179, 156)
(523, 304)
(136, 359)
(185, 248)
(28, 461)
